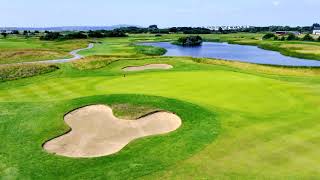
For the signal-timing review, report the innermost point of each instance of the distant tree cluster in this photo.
(4, 34)
(199, 30)
(50, 36)
(76, 35)
(104, 33)
(153, 29)
(189, 41)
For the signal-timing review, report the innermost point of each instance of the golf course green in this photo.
(239, 120)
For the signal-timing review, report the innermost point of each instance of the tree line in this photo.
(50, 36)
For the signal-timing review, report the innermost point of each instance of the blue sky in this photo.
(165, 13)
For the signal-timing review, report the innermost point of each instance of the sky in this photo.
(165, 13)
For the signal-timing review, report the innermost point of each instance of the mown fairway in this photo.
(240, 121)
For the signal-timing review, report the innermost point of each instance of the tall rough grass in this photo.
(18, 71)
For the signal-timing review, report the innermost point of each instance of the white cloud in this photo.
(276, 3)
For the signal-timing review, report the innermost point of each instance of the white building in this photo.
(316, 31)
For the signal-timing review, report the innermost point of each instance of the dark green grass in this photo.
(38, 122)
(150, 50)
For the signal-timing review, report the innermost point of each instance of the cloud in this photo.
(276, 3)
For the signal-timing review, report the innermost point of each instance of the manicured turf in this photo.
(240, 121)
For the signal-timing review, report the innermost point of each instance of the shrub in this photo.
(4, 35)
(76, 35)
(50, 36)
(269, 36)
(15, 32)
(292, 37)
(116, 33)
(96, 34)
(189, 41)
(307, 37)
(282, 38)
(318, 38)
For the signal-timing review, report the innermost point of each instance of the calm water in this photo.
(251, 54)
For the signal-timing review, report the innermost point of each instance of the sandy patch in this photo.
(148, 67)
(97, 132)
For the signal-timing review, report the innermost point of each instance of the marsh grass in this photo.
(94, 62)
(17, 49)
(18, 71)
(266, 69)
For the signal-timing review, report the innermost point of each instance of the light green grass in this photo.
(267, 124)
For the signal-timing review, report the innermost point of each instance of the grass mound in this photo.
(18, 71)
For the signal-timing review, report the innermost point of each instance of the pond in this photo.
(233, 52)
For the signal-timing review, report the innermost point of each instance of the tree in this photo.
(4, 34)
(15, 32)
(221, 30)
(189, 41)
(292, 37)
(153, 27)
(318, 39)
(268, 36)
(25, 33)
(50, 36)
(76, 35)
(315, 25)
(96, 34)
(173, 29)
(116, 33)
(307, 37)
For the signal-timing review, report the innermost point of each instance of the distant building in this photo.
(316, 31)
(282, 33)
(216, 28)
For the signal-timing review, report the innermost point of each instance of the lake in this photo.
(233, 52)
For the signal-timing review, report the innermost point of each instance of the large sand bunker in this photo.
(148, 67)
(97, 132)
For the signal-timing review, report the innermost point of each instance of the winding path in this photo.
(74, 53)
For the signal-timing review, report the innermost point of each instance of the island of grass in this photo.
(189, 41)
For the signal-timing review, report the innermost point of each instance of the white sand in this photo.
(97, 132)
(148, 67)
